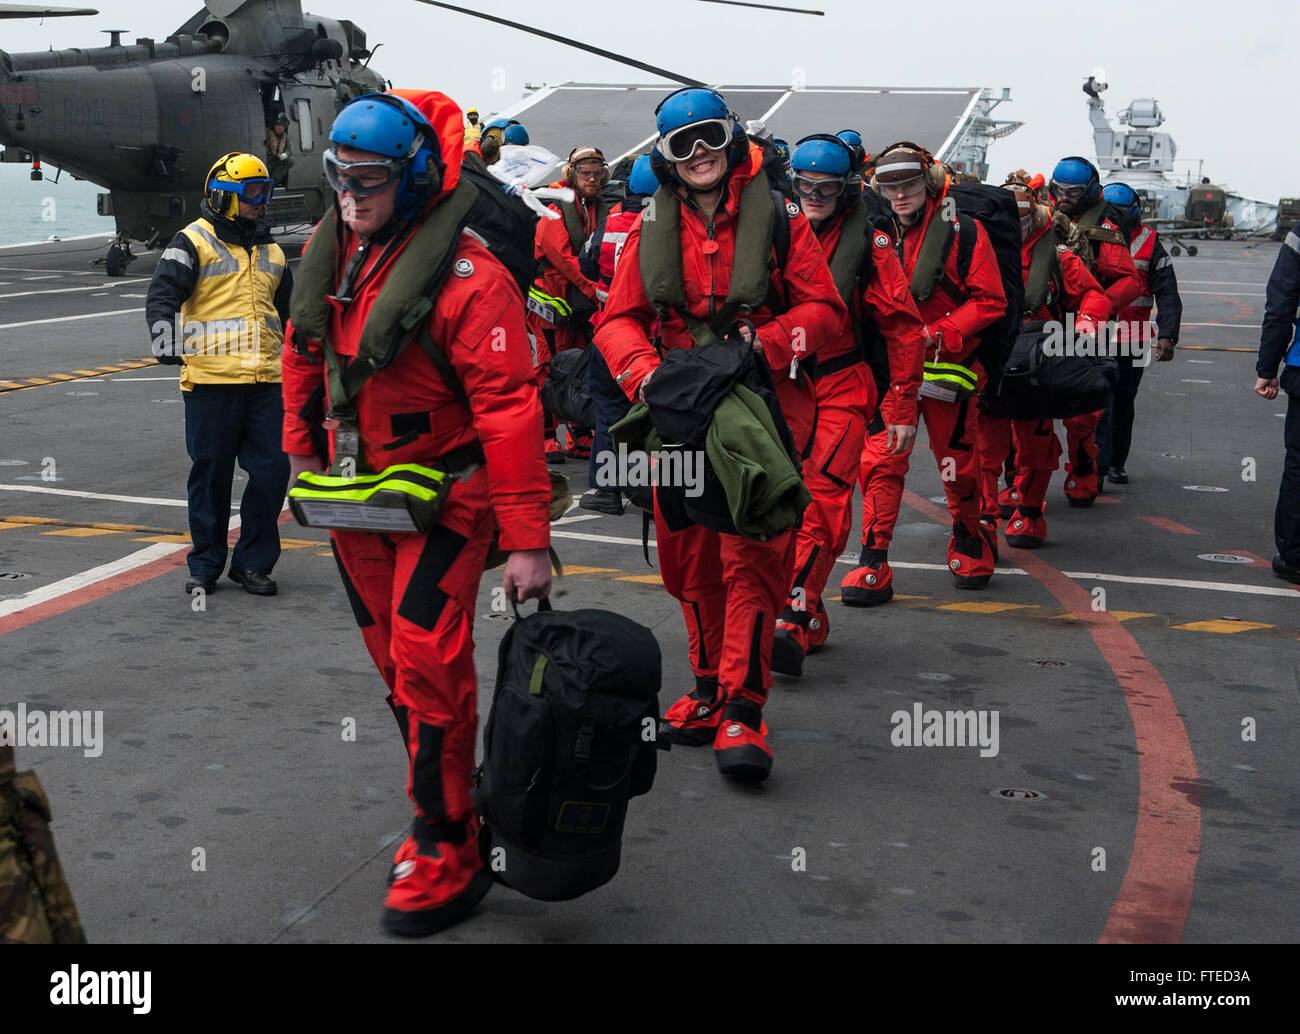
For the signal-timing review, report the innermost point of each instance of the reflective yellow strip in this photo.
(324, 487)
(951, 372)
(561, 306)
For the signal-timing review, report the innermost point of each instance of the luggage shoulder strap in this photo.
(965, 253)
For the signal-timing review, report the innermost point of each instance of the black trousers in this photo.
(225, 423)
(1286, 521)
(1115, 431)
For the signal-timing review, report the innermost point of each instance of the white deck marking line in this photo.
(145, 500)
(48, 276)
(37, 244)
(1167, 583)
(137, 380)
(74, 290)
(140, 558)
(1239, 326)
(66, 319)
(1229, 294)
(1221, 283)
(1179, 583)
(53, 591)
(576, 518)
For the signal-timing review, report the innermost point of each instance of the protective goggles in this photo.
(364, 178)
(679, 145)
(1067, 191)
(250, 191)
(910, 187)
(819, 189)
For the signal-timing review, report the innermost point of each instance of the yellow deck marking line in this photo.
(1222, 627)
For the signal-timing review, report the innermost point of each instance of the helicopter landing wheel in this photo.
(1174, 249)
(1191, 249)
(116, 260)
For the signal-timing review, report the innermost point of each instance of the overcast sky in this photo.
(1226, 75)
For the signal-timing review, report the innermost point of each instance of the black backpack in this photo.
(570, 738)
(507, 224)
(1036, 385)
(995, 210)
(774, 168)
(565, 394)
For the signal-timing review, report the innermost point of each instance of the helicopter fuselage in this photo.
(146, 121)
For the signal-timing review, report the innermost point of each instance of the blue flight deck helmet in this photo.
(515, 134)
(782, 149)
(1075, 183)
(398, 130)
(854, 139)
(822, 152)
(692, 116)
(1125, 198)
(642, 179)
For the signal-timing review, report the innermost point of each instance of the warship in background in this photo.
(1144, 159)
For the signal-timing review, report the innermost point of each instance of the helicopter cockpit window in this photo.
(302, 110)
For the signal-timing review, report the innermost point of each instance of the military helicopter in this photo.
(159, 112)
(1144, 159)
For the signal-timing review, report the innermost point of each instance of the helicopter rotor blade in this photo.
(673, 76)
(766, 7)
(38, 11)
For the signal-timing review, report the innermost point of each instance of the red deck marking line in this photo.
(1156, 893)
(1101, 498)
(78, 597)
(1165, 524)
(98, 590)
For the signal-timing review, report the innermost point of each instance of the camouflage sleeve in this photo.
(36, 905)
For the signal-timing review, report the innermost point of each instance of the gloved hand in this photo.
(948, 340)
(1085, 336)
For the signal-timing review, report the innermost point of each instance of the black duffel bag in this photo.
(565, 395)
(569, 741)
(1042, 381)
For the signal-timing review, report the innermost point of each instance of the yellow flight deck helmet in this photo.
(236, 176)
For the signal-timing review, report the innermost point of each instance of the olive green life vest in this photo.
(1044, 285)
(852, 252)
(846, 261)
(931, 256)
(660, 259)
(400, 313)
(574, 224)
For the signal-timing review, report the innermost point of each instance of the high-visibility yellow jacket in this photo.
(227, 328)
